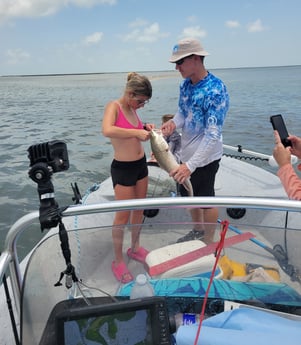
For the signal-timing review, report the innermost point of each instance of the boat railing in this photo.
(9, 259)
(186, 202)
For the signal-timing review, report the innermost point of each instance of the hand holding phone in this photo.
(279, 125)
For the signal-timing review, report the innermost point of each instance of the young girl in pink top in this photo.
(290, 180)
(129, 168)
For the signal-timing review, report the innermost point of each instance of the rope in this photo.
(91, 189)
(218, 251)
(245, 157)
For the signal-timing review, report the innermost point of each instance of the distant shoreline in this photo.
(142, 72)
(70, 74)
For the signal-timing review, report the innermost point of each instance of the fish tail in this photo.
(188, 186)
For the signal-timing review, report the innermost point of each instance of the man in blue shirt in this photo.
(202, 108)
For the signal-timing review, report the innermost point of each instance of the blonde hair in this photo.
(139, 85)
(167, 117)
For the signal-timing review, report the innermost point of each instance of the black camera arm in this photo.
(46, 159)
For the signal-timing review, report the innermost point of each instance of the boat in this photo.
(245, 285)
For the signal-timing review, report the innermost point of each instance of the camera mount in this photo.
(46, 159)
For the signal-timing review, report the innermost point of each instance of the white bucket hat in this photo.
(186, 47)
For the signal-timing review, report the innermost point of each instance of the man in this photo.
(203, 104)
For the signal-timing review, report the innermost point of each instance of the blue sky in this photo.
(91, 36)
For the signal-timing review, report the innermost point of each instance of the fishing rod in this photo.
(269, 158)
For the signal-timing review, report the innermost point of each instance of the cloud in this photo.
(194, 31)
(39, 8)
(94, 38)
(15, 56)
(144, 33)
(30, 8)
(232, 24)
(256, 26)
(90, 3)
(138, 22)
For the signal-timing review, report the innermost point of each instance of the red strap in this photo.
(219, 248)
(197, 253)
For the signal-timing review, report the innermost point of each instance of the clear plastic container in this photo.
(142, 287)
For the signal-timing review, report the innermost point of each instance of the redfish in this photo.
(164, 157)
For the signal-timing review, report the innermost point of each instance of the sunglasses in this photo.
(181, 61)
(141, 101)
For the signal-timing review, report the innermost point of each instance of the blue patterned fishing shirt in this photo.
(201, 114)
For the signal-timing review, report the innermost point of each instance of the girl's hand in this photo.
(148, 126)
(142, 134)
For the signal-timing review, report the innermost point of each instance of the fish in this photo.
(164, 157)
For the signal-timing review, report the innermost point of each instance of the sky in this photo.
(102, 36)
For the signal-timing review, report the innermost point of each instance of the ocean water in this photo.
(38, 109)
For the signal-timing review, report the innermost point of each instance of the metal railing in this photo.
(9, 259)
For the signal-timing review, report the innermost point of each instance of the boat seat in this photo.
(182, 266)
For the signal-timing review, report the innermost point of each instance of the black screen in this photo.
(123, 328)
(131, 322)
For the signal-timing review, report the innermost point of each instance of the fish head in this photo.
(155, 133)
(157, 140)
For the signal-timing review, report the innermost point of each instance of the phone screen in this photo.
(279, 125)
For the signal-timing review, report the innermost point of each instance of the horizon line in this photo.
(91, 73)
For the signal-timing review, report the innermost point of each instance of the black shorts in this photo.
(202, 180)
(128, 173)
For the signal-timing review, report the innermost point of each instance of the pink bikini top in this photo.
(122, 121)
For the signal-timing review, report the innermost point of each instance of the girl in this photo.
(129, 168)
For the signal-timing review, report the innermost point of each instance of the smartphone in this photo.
(279, 125)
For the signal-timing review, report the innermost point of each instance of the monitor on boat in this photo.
(141, 321)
